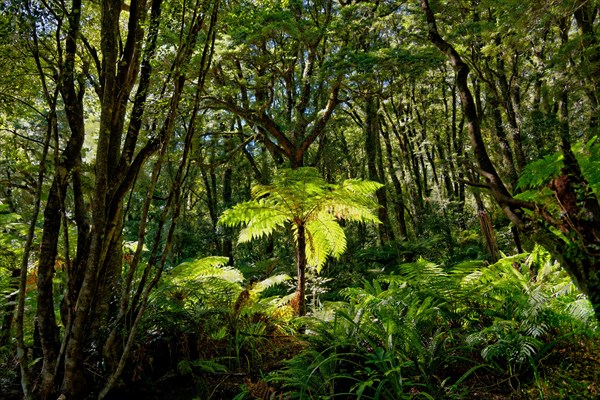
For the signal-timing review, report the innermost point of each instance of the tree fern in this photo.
(205, 302)
(271, 281)
(427, 328)
(313, 208)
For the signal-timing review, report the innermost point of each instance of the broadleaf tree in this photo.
(102, 91)
(572, 234)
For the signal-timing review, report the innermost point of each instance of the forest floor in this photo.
(570, 371)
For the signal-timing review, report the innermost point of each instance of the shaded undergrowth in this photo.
(517, 329)
(469, 331)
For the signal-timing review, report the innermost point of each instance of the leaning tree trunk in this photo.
(579, 220)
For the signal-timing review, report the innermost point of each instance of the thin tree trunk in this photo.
(399, 205)
(22, 355)
(513, 116)
(584, 15)
(505, 150)
(9, 308)
(580, 208)
(299, 302)
(172, 207)
(227, 202)
(373, 152)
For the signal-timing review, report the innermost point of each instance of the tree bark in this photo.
(299, 301)
(399, 205)
(505, 150)
(373, 153)
(579, 220)
(227, 202)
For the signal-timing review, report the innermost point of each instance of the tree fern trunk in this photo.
(300, 300)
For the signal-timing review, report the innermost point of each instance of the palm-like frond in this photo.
(270, 282)
(302, 197)
(352, 201)
(205, 268)
(325, 237)
(261, 217)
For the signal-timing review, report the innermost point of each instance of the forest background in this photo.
(416, 185)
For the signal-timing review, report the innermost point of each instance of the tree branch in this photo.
(319, 126)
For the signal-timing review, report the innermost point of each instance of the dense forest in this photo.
(284, 199)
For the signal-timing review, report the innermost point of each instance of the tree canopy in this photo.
(415, 150)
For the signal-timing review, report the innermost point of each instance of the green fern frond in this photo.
(204, 268)
(261, 217)
(502, 271)
(422, 271)
(361, 187)
(351, 210)
(541, 171)
(325, 237)
(262, 225)
(581, 309)
(208, 366)
(588, 157)
(270, 282)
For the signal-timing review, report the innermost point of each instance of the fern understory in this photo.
(517, 329)
(468, 331)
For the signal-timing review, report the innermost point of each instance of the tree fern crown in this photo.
(302, 198)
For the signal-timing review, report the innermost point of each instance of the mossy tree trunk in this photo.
(579, 222)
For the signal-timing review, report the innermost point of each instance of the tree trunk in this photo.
(505, 150)
(585, 11)
(399, 205)
(299, 301)
(227, 192)
(579, 220)
(512, 114)
(373, 152)
(8, 310)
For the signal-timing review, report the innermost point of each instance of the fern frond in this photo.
(361, 187)
(502, 271)
(261, 217)
(541, 171)
(270, 282)
(207, 267)
(325, 237)
(262, 225)
(580, 309)
(208, 366)
(351, 210)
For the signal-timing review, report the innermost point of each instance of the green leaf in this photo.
(205, 268)
(325, 237)
(541, 171)
(303, 196)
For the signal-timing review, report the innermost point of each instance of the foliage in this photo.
(302, 197)
(272, 83)
(424, 331)
(540, 172)
(210, 324)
